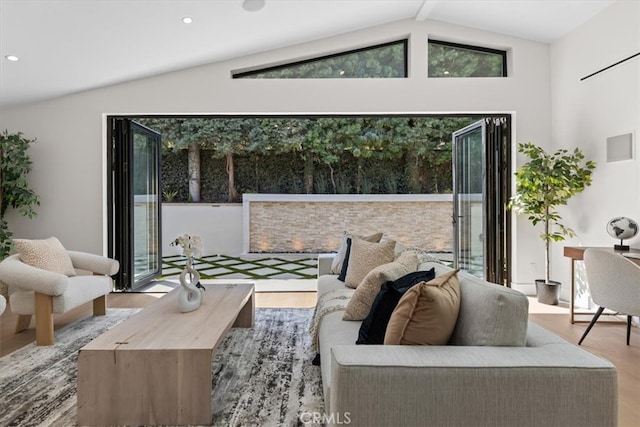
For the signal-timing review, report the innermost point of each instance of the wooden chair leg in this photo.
(22, 322)
(593, 322)
(628, 328)
(44, 319)
(100, 306)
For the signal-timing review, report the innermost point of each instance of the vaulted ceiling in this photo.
(66, 46)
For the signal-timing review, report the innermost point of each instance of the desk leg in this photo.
(573, 291)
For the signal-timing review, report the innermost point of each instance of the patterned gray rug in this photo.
(262, 376)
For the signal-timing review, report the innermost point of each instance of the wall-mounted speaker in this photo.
(620, 148)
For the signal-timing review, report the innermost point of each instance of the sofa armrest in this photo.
(481, 386)
(94, 263)
(16, 273)
(324, 263)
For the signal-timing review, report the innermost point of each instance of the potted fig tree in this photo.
(545, 182)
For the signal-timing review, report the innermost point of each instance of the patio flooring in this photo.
(252, 266)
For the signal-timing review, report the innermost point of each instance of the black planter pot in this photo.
(548, 293)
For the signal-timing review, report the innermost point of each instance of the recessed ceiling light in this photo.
(187, 20)
(12, 58)
(252, 5)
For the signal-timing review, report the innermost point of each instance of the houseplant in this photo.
(545, 182)
(15, 193)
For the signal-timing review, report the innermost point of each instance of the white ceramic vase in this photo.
(190, 296)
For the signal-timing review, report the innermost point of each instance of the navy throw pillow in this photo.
(345, 261)
(374, 325)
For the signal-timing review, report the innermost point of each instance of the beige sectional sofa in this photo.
(499, 369)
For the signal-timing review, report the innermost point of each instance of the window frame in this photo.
(502, 53)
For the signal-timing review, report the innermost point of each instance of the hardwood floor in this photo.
(605, 340)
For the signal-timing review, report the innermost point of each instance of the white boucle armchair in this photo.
(34, 291)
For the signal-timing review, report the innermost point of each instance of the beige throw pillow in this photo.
(336, 264)
(360, 303)
(364, 257)
(427, 313)
(47, 254)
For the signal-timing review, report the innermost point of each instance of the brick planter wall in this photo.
(315, 223)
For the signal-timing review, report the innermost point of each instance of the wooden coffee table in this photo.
(155, 367)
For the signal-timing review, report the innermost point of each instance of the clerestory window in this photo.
(447, 59)
(387, 60)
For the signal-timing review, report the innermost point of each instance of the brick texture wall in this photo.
(317, 226)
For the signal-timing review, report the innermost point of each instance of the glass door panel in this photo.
(134, 238)
(146, 200)
(469, 205)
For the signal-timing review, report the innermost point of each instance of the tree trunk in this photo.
(412, 165)
(546, 248)
(333, 181)
(194, 172)
(308, 174)
(233, 193)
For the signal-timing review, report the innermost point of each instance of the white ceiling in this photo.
(66, 46)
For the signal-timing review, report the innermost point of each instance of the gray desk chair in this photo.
(614, 283)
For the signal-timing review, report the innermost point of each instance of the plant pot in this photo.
(548, 293)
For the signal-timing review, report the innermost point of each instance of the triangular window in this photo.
(387, 60)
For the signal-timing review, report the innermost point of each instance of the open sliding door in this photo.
(481, 190)
(134, 234)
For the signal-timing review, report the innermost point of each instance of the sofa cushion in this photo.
(427, 313)
(46, 254)
(360, 303)
(374, 325)
(490, 314)
(365, 256)
(336, 265)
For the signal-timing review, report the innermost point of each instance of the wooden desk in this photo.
(576, 253)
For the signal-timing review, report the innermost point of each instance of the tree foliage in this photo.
(15, 165)
(326, 155)
(546, 181)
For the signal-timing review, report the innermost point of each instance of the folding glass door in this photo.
(135, 191)
(481, 189)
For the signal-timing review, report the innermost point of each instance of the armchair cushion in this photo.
(47, 254)
(16, 273)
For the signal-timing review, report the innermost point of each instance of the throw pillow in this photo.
(336, 265)
(365, 256)
(47, 254)
(374, 325)
(345, 262)
(360, 303)
(427, 313)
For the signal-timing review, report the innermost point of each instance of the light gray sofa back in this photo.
(490, 314)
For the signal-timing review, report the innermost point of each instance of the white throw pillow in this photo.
(47, 254)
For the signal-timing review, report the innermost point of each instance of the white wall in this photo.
(219, 226)
(585, 113)
(68, 159)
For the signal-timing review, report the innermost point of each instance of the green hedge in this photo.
(284, 174)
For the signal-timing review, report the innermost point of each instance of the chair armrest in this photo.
(324, 263)
(16, 273)
(94, 263)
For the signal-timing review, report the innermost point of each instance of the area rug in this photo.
(262, 376)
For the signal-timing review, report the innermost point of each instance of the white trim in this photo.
(330, 198)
